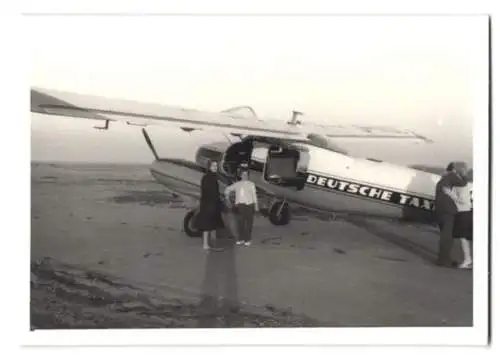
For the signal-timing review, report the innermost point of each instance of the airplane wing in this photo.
(372, 132)
(353, 131)
(70, 104)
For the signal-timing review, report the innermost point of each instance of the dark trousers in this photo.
(244, 221)
(446, 222)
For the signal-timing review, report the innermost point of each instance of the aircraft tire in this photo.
(189, 229)
(285, 216)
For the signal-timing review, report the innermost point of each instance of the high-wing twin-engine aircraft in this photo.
(290, 162)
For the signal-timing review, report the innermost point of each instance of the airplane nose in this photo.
(154, 167)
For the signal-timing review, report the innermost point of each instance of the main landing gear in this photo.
(279, 213)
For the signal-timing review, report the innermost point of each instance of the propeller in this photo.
(150, 143)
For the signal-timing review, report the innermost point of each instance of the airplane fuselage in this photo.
(334, 182)
(292, 163)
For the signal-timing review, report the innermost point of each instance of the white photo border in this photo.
(475, 335)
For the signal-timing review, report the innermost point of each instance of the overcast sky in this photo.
(416, 72)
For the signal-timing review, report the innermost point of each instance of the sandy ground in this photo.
(108, 251)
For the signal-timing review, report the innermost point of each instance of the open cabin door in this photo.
(286, 167)
(236, 155)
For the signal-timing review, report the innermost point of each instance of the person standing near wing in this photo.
(446, 208)
(209, 218)
(246, 205)
(463, 227)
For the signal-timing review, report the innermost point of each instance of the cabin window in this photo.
(205, 155)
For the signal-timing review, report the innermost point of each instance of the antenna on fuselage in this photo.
(294, 120)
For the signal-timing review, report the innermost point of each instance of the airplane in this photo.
(289, 162)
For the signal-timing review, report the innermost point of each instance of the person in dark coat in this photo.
(209, 218)
(446, 209)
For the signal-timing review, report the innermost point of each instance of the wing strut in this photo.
(105, 127)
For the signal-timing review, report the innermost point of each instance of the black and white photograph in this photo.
(259, 172)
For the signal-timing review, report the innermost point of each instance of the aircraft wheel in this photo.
(282, 218)
(189, 227)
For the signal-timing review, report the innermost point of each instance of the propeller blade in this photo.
(150, 144)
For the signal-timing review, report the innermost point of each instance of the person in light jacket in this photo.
(463, 224)
(246, 204)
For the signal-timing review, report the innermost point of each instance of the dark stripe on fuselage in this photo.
(388, 196)
(365, 183)
(185, 163)
(189, 165)
(369, 192)
(164, 174)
